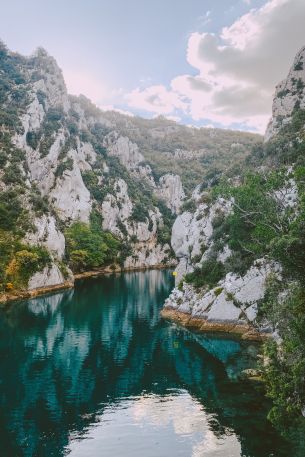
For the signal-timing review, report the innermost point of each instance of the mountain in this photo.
(289, 97)
(82, 189)
(240, 246)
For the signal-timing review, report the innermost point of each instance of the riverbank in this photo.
(108, 270)
(24, 294)
(15, 295)
(245, 332)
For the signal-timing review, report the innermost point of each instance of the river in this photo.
(93, 371)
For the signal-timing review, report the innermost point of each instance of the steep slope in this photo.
(240, 247)
(289, 96)
(76, 189)
(193, 154)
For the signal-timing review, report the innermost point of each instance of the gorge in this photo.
(86, 191)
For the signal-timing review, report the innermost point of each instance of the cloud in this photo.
(156, 99)
(237, 69)
(205, 19)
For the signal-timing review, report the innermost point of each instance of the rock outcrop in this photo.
(192, 232)
(233, 303)
(68, 173)
(231, 306)
(289, 96)
(170, 190)
(49, 276)
(47, 234)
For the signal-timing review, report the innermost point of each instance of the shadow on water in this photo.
(80, 366)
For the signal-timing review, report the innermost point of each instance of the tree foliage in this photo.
(89, 248)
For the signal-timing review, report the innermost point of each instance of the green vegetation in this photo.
(88, 247)
(13, 93)
(284, 373)
(18, 261)
(66, 164)
(263, 224)
(299, 66)
(210, 272)
(189, 205)
(193, 154)
(24, 262)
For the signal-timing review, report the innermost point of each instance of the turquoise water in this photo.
(93, 371)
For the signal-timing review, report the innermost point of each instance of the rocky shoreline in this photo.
(15, 295)
(243, 331)
(24, 294)
(103, 271)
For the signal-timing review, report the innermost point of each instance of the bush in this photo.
(64, 166)
(24, 263)
(210, 272)
(97, 191)
(90, 248)
(139, 212)
(189, 206)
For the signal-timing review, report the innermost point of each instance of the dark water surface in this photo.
(94, 372)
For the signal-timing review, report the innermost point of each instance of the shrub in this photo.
(210, 272)
(189, 206)
(139, 212)
(24, 263)
(218, 291)
(64, 166)
(89, 248)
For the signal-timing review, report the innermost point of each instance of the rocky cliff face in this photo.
(232, 304)
(66, 161)
(192, 233)
(77, 163)
(289, 96)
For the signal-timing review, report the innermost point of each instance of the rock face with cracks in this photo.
(71, 152)
(289, 95)
(231, 306)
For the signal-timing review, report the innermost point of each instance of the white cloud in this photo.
(156, 99)
(237, 69)
(205, 19)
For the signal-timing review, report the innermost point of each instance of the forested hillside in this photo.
(192, 153)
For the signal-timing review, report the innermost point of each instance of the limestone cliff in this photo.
(64, 161)
(72, 162)
(202, 239)
(289, 96)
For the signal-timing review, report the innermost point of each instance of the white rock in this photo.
(287, 95)
(49, 276)
(223, 310)
(191, 234)
(171, 191)
(48, 235)
(237, 300)
(71, 197)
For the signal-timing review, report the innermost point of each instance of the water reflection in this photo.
(174, 417)
(96, 362)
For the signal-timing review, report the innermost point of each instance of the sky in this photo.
(199, 62)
